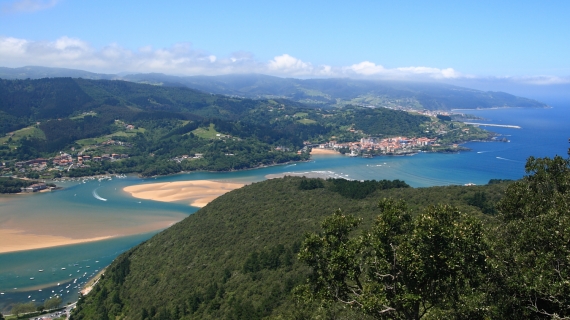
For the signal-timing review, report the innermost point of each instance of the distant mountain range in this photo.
(324, 93)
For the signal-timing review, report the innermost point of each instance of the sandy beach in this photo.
(17, 240)
(323, 151)
(198, 193)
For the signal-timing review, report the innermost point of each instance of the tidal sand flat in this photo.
(19, 240)
(199, 192)
(74, 215)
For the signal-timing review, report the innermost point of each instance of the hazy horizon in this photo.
(484, 42)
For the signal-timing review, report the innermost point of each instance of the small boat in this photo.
(62, 268)
(32, 278)
(41, 270)
(58, 283)
(40, 290)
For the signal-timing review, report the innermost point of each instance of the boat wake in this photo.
(500, 158)
(98, 197)
(483, 151)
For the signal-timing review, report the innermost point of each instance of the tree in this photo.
(20, 308)
(403, 268)
(52, 303)
(531, 260)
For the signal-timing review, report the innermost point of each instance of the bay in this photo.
(543, 133)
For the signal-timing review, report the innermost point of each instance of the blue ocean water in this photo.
(543, 133)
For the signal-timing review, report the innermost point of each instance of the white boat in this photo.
(32, 278)
(41, 270)
(62, 268)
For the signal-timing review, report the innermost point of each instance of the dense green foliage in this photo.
(531, 260)
(232, 259)
(403, 268)
(361, 189)
(519, 269)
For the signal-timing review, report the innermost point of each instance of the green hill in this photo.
(237, 257)
(341, 92)
(498, 251)
(321, 93)
(164, 129)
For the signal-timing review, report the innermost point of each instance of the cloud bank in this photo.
(183, 59)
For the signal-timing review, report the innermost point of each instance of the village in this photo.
(370, 146)
(62, 162)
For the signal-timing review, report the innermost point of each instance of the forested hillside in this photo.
(297, 248)
(322, 93)
(237, 257)
(156, 130)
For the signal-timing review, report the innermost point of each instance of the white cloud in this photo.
(288, 65)
(366, 68)
(183, 59)
(28, 5)
(432, 72)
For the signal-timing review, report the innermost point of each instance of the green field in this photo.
(81, 116)
(206, 133)
(30, 132)
(306, 121)
(94, 141)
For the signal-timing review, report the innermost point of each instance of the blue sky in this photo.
(527, 41)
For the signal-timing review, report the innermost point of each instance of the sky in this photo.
(522, 41)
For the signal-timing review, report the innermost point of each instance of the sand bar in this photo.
(198, 192)
(17, 240)
(320, 151)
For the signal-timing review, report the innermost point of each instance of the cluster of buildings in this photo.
(35, 187)
(381, 146)
(64, 161)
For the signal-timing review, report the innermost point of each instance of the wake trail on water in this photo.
(501, 158)
(98, 197)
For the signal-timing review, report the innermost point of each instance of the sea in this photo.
(100, 204)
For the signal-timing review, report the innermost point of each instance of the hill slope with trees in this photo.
(165, 130)
(237, 257)
(321, 93)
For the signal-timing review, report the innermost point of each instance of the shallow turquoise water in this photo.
(544, 133)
